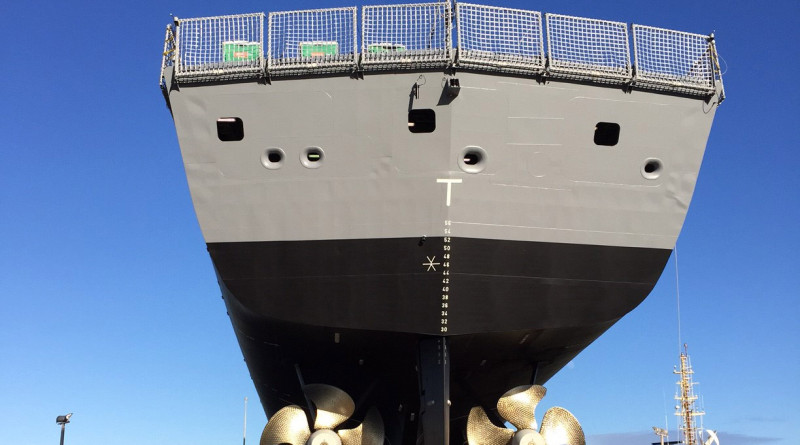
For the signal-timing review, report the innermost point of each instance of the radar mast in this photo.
(686, 398)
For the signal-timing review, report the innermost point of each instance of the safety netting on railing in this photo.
(316, 40)
(227, 46)
(673, 60)
(406, 36)
(588, 49)
(420, 36)
(502, 39)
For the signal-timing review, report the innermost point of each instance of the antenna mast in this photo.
(678, 295)
(685, 408)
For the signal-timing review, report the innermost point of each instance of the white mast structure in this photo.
(686, 398)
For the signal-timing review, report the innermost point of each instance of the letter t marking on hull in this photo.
(449, 183)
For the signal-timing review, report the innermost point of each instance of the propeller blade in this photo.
(560, 427)
(288, 425)
(518, 404)
(370, 432)
(481, 430)
(333, 405)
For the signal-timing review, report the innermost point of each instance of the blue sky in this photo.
(109, 307)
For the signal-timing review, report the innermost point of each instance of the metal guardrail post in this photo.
(634, 68)
(269, 45)
(178, 46)
(263, 64)
(717, 76)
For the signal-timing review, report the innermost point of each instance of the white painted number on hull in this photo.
(447, 255)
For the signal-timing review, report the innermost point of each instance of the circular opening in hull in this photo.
(472, 159)
(312, 157)
(272, 158)
(652, 168)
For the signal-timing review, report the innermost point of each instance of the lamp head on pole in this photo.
(61, 420)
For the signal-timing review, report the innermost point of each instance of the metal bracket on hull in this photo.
(434, 382)
(311, 413)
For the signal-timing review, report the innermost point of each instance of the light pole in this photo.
(661, 432)
(63, 420)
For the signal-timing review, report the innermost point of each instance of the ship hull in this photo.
(350, 268)
(345, 313)
(386, 285)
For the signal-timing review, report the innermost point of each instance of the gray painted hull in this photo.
(544, 179)
(342, 270)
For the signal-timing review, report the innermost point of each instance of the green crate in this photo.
(318, 49)
(236, 51)
(379, 48)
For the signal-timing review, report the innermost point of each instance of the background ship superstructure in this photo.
(458, 208)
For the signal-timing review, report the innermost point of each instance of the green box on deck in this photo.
(379, 48)
(318, 49)
(240, 50)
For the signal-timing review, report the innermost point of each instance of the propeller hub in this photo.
(324, 437)
(527, 437)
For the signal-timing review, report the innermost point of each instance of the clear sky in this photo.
(109, 307)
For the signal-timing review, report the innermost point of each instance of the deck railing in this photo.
(440, 35)
(219, 47)
(406, 36)
(312, 41)
(673, 60)
(501, 39)
(588, 49)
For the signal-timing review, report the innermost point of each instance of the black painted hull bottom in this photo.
(354, 314)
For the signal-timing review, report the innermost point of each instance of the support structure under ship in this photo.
(412, 209)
